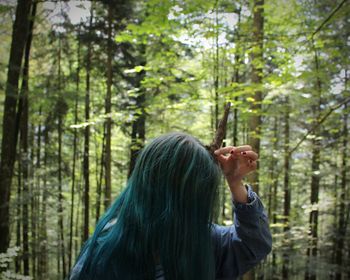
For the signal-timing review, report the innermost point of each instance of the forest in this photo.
(84, 85)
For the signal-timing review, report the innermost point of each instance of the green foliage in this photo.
(178, 56)
(5, 260)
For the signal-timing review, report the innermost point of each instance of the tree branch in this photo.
(221, 131)
(328, 18)
(318, 124)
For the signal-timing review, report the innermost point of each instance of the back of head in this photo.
(163, 216)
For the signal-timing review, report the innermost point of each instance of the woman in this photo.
(161, 227)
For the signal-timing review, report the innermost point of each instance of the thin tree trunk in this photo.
(287, 193)
(75, 138)
(108, 123)
(341, 231)
(335, 213)
(100, 176)
(274, 206)
(61, 112)
(216, 66)
(236, 78)
(9, 129)
(256, 77)
(38, 183)
(33, 206)
(77, 243)
(315, 182)
(18, 263)
(86, 162)
(43, 257)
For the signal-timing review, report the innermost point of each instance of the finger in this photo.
(250, 154)
(243, 148)
(252, 164)
(224, 150)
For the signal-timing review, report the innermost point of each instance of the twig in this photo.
(328, 18)
(318, 124)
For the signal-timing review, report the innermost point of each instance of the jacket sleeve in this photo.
(241, 246)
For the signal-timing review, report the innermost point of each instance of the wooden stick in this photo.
(221, 131)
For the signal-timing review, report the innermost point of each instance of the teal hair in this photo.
(164, 215)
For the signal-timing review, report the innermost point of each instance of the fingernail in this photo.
(216, 152)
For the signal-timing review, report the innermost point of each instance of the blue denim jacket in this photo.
(238, 248)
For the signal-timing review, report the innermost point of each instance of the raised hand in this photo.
(237, 162)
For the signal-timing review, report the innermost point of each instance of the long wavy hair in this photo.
(163, 217)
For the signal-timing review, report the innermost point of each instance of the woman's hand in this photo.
(237, 162)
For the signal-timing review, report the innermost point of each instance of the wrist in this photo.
(239, 191)
(234, 181)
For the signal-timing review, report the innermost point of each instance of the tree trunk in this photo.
(33, 205)
(86, 162)
(273, 208)
(236, 78)
(38, 184)
(23, 116)
(9, 130)
(287, 194)
(216, 67)
(108, 123)
(75, 138)
(341, 231)
(61, 109)
(138, 129)
(138, 132)
(100, 175)
(315, 181)
(43, 256)
(256, 78)
(18, 263)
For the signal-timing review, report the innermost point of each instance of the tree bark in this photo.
(38, 184)
(75, 138)
(138, 132)
(310, 273)
(108, 123)
(256, 78)
(216, 67)
(43, 256)
(86, 162)
(9, 130)
(18, 262)
(61, 109)
(100, 175)
(138, 126)
(341, 231)
(23, 116)
(274, 201)
(236, 78)
(287, 193)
